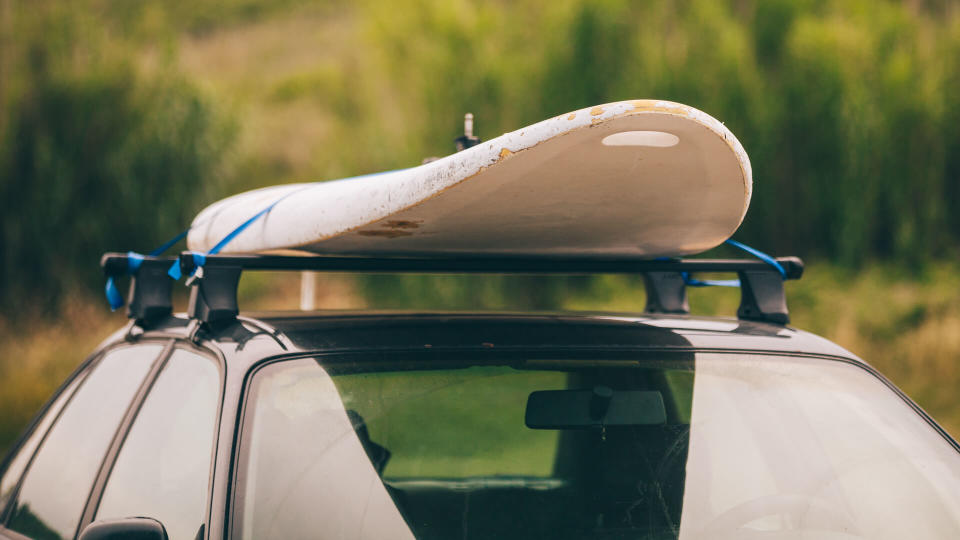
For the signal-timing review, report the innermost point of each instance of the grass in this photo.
(280, 74)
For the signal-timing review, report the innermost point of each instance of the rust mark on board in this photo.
(644, 104)
(596, 111)
(572, 116)
(505, 152)
(403, 224)
(386, 233)
(650, 105)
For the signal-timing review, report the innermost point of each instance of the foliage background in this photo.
(119, 120)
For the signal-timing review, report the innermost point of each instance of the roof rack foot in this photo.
(213, 297)
(666, 293)
(151, 296)
(762, 298)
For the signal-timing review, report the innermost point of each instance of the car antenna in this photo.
(468, 139)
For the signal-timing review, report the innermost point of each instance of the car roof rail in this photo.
(214, 278)
(150, 295)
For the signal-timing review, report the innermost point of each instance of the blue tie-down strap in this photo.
(199, 259)
(114, 298)
(134, 260)
(760, 255)
(169, 243)
(689, 281)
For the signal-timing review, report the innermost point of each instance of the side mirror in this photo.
(135, 528)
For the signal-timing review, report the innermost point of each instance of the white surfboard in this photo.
(633, 178)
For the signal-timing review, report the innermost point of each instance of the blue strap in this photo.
(134, 260)
(169, 243)
(175, 272)
(199, 259)
(760, 255)
(689, 281)
(114, 298)
(243, 226)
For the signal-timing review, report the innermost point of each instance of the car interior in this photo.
(607, 481)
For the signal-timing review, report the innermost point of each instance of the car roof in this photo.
(257, 336)
(380, 330)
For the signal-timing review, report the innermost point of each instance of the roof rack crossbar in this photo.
(150, 295)
(214, 295)
(793, 266)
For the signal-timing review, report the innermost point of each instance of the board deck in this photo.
(632, 178)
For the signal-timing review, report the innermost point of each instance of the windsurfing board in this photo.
(633, 178)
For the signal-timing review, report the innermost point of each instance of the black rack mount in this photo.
(150, 295)
(762, 297)
(213, 297)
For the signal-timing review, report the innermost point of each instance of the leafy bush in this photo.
(95, 157)
(849, 110)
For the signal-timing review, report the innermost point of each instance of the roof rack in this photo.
(149, 297)
(213, 296)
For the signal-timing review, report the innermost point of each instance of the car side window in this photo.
(57, 485)
(162, 469)
(18, 463)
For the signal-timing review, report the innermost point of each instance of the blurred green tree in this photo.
(95, 156)
(849, 110)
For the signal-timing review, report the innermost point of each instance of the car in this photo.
(432, 425)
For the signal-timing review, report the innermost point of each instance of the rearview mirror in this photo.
(600, 407)
(135, 528)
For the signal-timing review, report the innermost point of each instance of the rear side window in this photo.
(163, 468)
(19, 462)
(58, 482)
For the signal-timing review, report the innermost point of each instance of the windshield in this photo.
(685, 446)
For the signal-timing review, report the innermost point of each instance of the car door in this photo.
(49, 479)
(162, 469)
